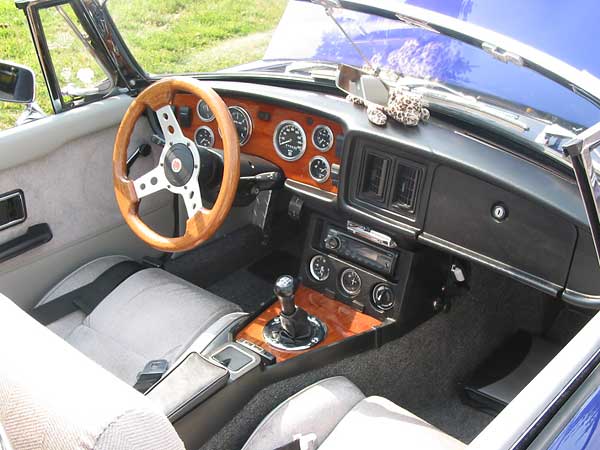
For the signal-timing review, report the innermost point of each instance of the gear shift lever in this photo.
(284, 290)
(294, 328)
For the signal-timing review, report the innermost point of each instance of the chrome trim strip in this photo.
(22, 199)
(532, 280)
(580, 299)
(310, 191)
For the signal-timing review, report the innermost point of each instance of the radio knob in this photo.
(383, 297)
(332, 243)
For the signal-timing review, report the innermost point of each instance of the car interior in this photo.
(272, 270)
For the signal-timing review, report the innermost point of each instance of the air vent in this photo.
(406, 184)
(374, 177)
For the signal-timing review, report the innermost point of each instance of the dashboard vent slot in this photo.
(405, 188)
(374, 177)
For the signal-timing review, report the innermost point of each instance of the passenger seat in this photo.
(333, 414)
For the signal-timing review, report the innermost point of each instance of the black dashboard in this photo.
(442, 187)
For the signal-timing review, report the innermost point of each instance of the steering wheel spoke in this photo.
(192, 198)
(169, 125)
(150, 182)
(180, 164)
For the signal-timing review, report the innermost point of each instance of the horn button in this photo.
(179, 165)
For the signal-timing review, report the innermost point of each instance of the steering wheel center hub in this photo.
(179, 165)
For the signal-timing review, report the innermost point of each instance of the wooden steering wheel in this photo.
(179, 166)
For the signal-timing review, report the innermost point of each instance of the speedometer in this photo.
(289, 140)
(243, 123)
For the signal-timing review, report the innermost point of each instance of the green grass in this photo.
(166, 36)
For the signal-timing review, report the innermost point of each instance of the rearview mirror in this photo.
(17, 83)
(368, 87)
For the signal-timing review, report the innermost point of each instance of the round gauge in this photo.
(243, 123)
(204, 111)
(351, 282)
(319, 268)
(319, 169)
(204, 137)
(382, 297)
(322, 138)
(289, 140)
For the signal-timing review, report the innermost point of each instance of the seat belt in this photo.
(87, 297)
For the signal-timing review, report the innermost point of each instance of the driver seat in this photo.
(151, 315)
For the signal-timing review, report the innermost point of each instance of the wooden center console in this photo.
(342, 321)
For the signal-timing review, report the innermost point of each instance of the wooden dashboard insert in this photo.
(342, 321)
(261, 140)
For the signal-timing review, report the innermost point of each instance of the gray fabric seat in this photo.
(339, 416)
(151, 315)
(54, 398)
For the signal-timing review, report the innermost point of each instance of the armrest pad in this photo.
(188, 384)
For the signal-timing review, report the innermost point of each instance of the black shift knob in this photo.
(284, 290)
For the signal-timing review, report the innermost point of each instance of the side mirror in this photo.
(368, 87)
(17, 83)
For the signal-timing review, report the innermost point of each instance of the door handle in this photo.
(35, 236)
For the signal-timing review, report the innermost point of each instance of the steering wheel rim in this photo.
(179, 165)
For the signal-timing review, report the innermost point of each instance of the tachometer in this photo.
(243, 123)
(289, 140)
(204, 111)
(204, 137)
(322, 138)
(319, 170)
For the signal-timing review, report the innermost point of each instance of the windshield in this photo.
(274, 37)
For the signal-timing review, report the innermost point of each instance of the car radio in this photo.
(348, 247)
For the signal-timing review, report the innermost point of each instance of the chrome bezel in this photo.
(320, 180)
(329, 131)
(248, 120)
(212, 135)
(276, 146)
(347, 291)
(312, 271)
(374, 300)
(200, 115)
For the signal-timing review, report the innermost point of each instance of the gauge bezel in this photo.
(312, 272)
(212, 135)
(278, 128)
(248, 118)
(345, 290)
(319, 180)
(200, 115)
(329, 130)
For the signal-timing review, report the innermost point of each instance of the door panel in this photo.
(63, 164)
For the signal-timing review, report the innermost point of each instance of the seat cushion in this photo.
(316, 409)
(376, 422)
(341, 418)
(54, 398)
(151, 315)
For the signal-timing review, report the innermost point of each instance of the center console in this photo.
(371, 272)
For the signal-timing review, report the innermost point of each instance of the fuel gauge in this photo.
(319, 169)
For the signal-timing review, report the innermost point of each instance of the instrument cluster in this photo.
(289, 141)
(300, 143)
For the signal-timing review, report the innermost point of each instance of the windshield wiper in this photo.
(314, 69)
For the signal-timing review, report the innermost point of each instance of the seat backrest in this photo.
(53, 397)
